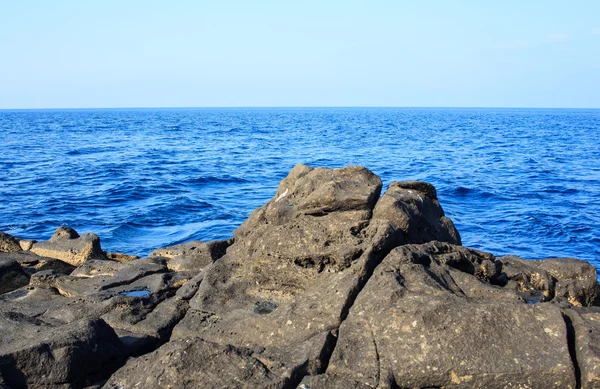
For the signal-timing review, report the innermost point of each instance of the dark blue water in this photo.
(514, 181)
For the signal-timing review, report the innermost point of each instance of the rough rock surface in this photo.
(418, 325)
(66, 245)
(12, 276)
(328, 285)
(193, 255)
(133, 305)
(285, 285)
(32, 263)
(120, 257)
(554, 278)
(8, 243)
(40, 356)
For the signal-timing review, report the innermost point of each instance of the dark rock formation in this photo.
(9, 243)
(584, 336)
(426, 318)
(570, 279)
(328, 285)
(12, 276)
(36, 355)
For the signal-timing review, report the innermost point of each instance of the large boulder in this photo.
(66, 245)
(36, 355)
(423, 321)
(285, 285)
(8, 243)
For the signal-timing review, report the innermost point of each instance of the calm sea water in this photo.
(514, 181)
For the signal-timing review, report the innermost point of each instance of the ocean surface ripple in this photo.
(514, 181)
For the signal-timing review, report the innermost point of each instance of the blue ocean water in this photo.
(515, 181)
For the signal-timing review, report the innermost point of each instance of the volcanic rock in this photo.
(12, 276)
(583, 325)
(66, 245)
(193, 256)
(33, 263)
(297, 264)
(569, 279)
(120, 257)
(8, 243)
(49, 357)
(416, 325)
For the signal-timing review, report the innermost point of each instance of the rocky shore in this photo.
(328, 285)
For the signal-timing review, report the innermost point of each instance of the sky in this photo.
(102, 54)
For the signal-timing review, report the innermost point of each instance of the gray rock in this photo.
(120, 257)
(156, 323)
(137, 301)
(195, 363)
(282, 281)
(46, 356)
(413, 210)
(64, 232)
(12, 275)
(414, 326)
(66, 245)
(193, 256)
(584, 335)
(198, 363)
(553, 279)
(297, 263)
(128, 273)
(32, 263)
(333, 381)
(47, 278)
(8, 243)
(31, 300)
(328, 285)
(189, 289)
(98, 267)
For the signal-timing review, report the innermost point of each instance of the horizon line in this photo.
(286, 107)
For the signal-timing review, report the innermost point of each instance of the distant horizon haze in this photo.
(463, 54)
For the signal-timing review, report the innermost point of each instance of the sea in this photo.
(514, 181)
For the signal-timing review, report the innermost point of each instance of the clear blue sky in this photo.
(299, 53)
